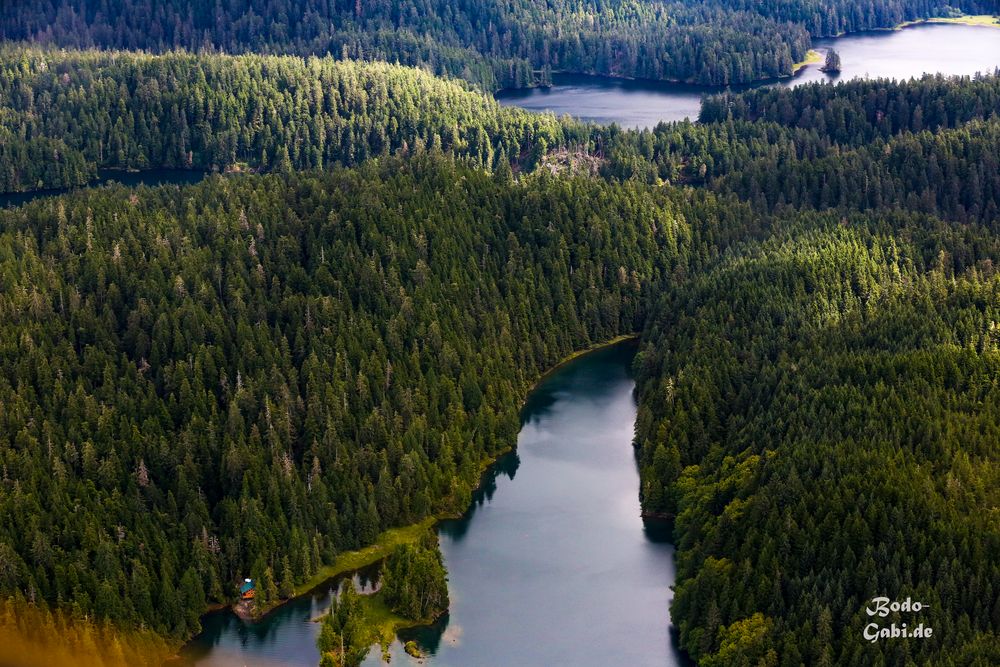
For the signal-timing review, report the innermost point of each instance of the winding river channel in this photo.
(896, 54)
(551, 565)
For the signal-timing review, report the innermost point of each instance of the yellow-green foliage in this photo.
(38, 637)
(744, 642)
(977, 19)
(350, 561)
(812, 56)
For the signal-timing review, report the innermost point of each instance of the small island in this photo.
(832, 64)
(413, 591)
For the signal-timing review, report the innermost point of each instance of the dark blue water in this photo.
(129, 178)
(900, 54)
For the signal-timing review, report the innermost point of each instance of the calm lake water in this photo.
(284, 638)
(900, 54)
(552, 564)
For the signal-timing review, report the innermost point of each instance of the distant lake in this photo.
(149, 177)
(900, 54)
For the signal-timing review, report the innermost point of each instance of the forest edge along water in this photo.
(148, 177)
(941, 56)
(910, 51)
(361, 561)
(951, 47)
(553, 551)
(360, 564)
(353, 562)
(286, 637)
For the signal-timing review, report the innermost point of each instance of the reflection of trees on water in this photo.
(658, 531)
(219, 624)
(580, 386)
(368, 579)
(505, 466)
(428, 637)
(537, 406)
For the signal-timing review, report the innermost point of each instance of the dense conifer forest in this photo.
(495, 44)
(202, 383)
(252, 375)
(817, 406)
(66, 114)
(819, 411)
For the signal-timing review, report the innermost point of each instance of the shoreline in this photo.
(812, 57)
(704, 88)
(382, 624)
(979, 20)
(351, 561)
(572, 356)
(972, 20)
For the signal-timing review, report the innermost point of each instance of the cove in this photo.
(896, 54)
(550, 565)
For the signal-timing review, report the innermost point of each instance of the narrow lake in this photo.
(899, 54)
(149, 177)
(552, 564)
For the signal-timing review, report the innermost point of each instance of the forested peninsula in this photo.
(250, 376)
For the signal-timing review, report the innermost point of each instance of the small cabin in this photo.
(247, 590)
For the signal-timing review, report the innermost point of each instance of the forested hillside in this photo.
(496, 44)
(824, 144)
(820, 411)
(203, 384)
(62, 115)
(249, 376)
(954, 173)
(860, 111)
(929, 145)
(818, 406)
(835, 17)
